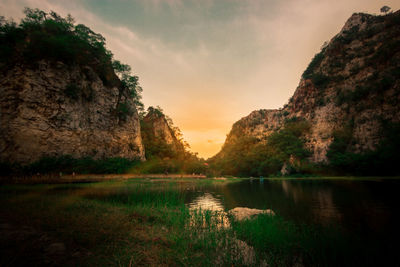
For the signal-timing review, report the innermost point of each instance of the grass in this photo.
(347, 178)
(145, 222)
(283, 243)
(134, 222)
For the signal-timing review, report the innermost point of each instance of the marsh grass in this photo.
(143, 222)
(280, 242)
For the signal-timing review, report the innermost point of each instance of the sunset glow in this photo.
(209, 63)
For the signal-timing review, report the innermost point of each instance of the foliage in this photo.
(284, 243)
(163, 157)
(68, 164)
(170, 166)
(385, 52)
(315, 62)
(320, 80)
(48, 36)
(385, 9)
(129, 82)
(158, 111)
(381, 161)
(146, 222)
(123, 110)
(72, 91)
(374, 85)
(288, 142)
(248, 156)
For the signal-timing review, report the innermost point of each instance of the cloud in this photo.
(210, 62)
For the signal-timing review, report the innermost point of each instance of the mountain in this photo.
(348, 97)
(68, 106)
(56, 109)
(159, 135)
(60, 93)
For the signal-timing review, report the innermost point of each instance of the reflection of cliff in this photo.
(321, 200)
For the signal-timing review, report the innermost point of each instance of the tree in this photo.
(130, 82)
(385, 9)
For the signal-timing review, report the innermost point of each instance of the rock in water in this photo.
(242, 213)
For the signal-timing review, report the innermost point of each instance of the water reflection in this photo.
(202, 207)
(206, 202)
(360, 205)
(322, 205)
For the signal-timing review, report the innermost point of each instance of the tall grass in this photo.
(280, 242)
(197, 237)
(145, 223)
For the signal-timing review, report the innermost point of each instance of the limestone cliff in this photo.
(352, 83)
(159, 137)
(259, 124)
(53, 109)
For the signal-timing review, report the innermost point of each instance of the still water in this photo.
(366, 205)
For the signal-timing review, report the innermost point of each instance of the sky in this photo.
(208, 63)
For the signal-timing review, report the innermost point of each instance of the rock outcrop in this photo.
(243, 213)
(54, 109)
(352, 83)
(158, 135)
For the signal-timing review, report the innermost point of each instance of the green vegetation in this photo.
(67, 165)
(320, 80)
(385, 9)
(72, 91)
(386, 51)
(145, 222)
(123, 110)
(113, 223)
(188, 165)
(381, 161)
(48, 36)
(315, 62)
(164, 157)
(249, 156)
(129, 83)
(284, 243)
(374, 86)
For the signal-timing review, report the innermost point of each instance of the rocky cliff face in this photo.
(352, 83)
(158, 135)
(54, 109)
(259, 124)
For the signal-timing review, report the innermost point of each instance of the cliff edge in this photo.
(351, 87)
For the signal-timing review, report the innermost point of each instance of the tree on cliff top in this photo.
(385, 9)
(41, 35)
(129, 82)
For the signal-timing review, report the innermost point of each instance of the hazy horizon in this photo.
(209, 63)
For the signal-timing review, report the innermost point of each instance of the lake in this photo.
(319, 222)
(358, 204)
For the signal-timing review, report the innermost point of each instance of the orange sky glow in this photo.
(208, 63)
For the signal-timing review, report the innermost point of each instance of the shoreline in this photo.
(87, 178)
